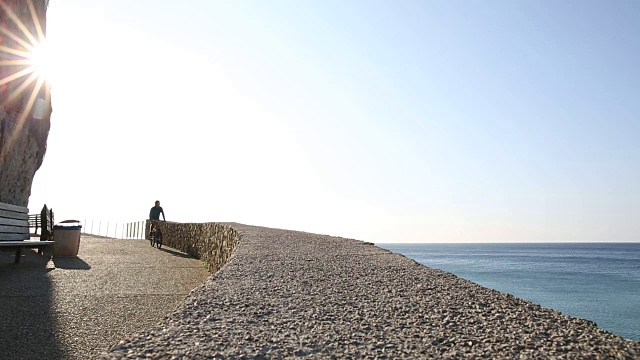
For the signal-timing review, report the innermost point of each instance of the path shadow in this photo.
(70, 263)
(27, 309)
(177, 253)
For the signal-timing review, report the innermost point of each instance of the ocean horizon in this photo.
(594, 281)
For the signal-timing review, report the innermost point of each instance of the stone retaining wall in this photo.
(213, 243)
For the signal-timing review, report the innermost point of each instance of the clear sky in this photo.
(385, 121)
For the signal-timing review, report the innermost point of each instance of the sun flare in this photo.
(24, 58)
(24, 64)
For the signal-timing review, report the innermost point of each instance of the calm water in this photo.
(599, 282)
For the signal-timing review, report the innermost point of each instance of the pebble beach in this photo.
(287, 294)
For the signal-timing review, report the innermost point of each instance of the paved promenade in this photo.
(77, 308)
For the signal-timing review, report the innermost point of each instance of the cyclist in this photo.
(154, 214)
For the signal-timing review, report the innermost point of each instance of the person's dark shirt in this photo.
(155, 212)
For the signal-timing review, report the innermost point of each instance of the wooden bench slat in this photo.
(13, 236)
(5, 237)
(25, 243)
(14, 229)
(16, 208)
(13, 215)
(15, 222)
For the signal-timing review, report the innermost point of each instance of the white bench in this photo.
(14, 231)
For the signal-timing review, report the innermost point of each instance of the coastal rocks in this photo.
(23, 133)
(21, 154)
(288, 294)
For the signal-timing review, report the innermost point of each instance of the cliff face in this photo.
(25, 103)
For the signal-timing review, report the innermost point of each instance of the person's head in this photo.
(157, 203)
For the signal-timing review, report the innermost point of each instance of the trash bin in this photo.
(66, 237)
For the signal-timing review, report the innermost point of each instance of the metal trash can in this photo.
(66, 237)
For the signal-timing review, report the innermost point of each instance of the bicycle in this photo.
(155, 235)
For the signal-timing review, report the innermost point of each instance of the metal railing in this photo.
(116, 230)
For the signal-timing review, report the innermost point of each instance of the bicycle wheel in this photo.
(152, 237)
(159, 240)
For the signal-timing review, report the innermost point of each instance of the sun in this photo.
(40, 60)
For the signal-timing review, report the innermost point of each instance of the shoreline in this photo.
(594, 281)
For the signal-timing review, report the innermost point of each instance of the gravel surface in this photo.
(294, 294)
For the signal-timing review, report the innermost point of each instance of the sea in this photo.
(595, 281)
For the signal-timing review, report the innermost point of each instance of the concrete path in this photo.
(77, 308)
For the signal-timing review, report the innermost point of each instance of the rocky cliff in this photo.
(25, 103)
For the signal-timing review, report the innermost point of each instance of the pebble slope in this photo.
(295, 294)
